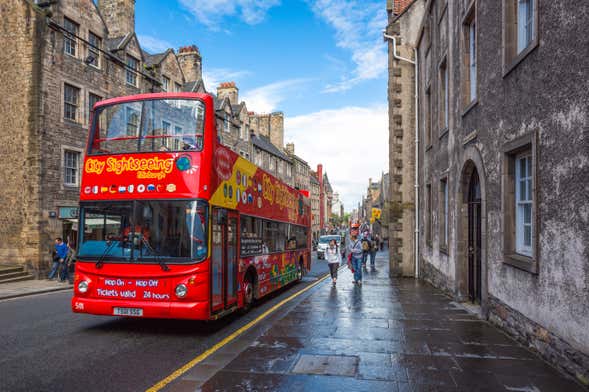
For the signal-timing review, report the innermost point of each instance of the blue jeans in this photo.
(54, 270)
(357, 265)
(364, 257)
(372, 257)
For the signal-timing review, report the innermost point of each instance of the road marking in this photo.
(228, 339)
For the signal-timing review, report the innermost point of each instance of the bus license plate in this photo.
(133, 312)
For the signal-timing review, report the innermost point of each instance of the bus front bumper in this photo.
(144, 309)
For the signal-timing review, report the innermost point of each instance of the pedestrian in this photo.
(365, 247)
(355, 250)
(373, 250)
(61, 251)
(333, 257)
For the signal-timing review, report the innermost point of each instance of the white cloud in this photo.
(153, 45)
(212, 77)
(211, 12)
(266, 99)
(351, 143)
(358, 26)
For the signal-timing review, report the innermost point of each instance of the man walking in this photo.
(61, 250)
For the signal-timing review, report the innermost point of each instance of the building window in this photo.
(470, 57)
(132, 66)
(519, 203)
(165, 83)
(92, 99)
(429, 214)
(520, 35)
(444, 214)
(523, 204)
(71, 168)
(525, 24)
(132, 122)
(69, 37)
(271, 164)
(71, 102)
(279, 164)
(258, 157)
(226, 125)
(94, 49)
(444, 98)
(178, 87)
(428, 118)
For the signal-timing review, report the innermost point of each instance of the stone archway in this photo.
(471, 243)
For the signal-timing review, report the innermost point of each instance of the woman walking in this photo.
(333, 257)
(355, 249)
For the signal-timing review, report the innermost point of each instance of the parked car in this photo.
(324, 243)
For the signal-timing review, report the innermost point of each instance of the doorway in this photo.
(474, 239)
(224, 259)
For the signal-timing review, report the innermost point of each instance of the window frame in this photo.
(512, 55)
(76, 104)
(525, 145)
(443, 97)
(165, 83)
(131, 75)
(93, 49)
(444, 215)
(78, 153)
(70, 37)
(470, 91)
(429, 215)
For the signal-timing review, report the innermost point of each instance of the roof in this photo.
(155, 59)
(115, 43)
(314, 180)
(263, 143)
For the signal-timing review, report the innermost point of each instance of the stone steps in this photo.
(10, 274)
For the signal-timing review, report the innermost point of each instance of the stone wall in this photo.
(21, 28)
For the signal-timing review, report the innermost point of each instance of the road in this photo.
(45, 347)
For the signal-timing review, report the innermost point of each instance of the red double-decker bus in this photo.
(173, 224)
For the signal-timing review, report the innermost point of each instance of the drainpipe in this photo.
(416, 184)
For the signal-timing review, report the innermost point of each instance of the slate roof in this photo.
(263, 143)
(154, 59)
(114, 44)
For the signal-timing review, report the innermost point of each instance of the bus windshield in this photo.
(143, 231)
(148, 126)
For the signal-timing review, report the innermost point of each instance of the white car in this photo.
(324, 244)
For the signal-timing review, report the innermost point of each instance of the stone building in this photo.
(272, 159)
(64, 56)
(503, 163)
(300, 167)
(404, 21)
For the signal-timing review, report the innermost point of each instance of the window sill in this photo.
(508, 67)
(443, 132)
(72, 122)
(71, 186)
(470, 106)
(521, 262)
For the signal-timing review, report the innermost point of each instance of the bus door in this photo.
(223, 259)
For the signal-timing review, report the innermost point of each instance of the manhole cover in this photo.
(333, 365)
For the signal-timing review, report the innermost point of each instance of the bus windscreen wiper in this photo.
(100, 261)
(161, 262)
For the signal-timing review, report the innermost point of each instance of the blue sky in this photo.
(321, 62)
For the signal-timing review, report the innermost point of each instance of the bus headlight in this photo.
(83, 286)
(181, 290)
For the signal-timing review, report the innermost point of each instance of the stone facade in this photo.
(404, 22)
(504, 167)
(59, 76)
(315, 203)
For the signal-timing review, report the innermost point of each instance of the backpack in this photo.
(365, 245)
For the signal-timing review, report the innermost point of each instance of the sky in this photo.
(323, 63)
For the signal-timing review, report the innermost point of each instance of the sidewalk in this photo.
(30, 287)
(398, 335)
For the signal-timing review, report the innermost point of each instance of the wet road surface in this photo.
(398, 335)
(45, 347)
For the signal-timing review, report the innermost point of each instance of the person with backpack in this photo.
(333, 257)
(355, 254)
(372, 251)
(365, 248)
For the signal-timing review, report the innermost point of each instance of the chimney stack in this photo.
(119, 16)
(229, 90)
(290, 148)
(190, 63)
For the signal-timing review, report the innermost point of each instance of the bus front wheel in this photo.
(300, 271)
